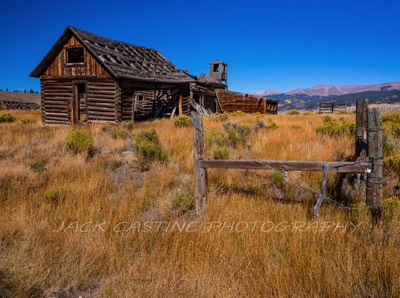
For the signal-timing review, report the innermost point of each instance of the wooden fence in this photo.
(331, 106)
(19, 105)
(368, 139)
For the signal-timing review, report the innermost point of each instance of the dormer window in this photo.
(75, 55)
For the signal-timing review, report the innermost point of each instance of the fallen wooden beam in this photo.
(337, 167)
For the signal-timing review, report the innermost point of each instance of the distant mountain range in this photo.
(308, 98)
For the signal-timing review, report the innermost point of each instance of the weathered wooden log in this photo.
(199, 171)
(337, 167)
(375, 181)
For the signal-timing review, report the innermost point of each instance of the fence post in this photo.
(322, 192)
(199, 172)
(361, 126)
(375, 180)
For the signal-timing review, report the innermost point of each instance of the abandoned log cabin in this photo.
(88, 78)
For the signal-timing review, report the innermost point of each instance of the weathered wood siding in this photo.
(126, 101)
(145, 104)
(103, 101)
(234, 101)
(56, 97)
(59, 69)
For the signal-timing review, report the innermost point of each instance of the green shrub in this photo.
(128, 125)
(55, 194)
(221, 152)
(183, 200)
(27, 121)
(271, 124)
(7, 118)
(391, 209)
(334, 128)
(391, 124)
(278, 178)
(148, 149)
(294, 112)
(182, 121)
(221, 117)
(79, 141)
(235, 134)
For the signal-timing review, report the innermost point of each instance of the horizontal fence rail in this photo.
(335, 166)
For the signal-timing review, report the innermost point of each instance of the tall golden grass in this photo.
(96, 254)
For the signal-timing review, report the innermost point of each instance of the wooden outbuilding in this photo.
(88, 78)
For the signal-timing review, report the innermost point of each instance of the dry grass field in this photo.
(97, 226)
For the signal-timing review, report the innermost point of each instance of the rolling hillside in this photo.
(305, 99)
(20, 96)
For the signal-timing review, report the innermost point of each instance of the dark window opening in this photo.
(75, 55)
(216, 67)
(81, 88)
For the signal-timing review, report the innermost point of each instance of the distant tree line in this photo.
(25, 91)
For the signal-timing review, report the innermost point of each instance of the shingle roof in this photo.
(122, 60)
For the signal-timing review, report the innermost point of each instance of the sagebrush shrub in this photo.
(79, 141)
(221, 117)
(278, 178)
(334, 128)
(7, 117)
(182, 121)
(54, 194)
(27, 121)
(294, 112)
(183, 200)
(221, 152)
(148, 149)
(391, 209)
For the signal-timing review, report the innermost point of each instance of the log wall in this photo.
(56, 97)
(103, 98)
(103, 101)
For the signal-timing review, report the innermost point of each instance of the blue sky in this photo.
(278, 45)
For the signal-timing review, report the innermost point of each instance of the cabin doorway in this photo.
(79, 104)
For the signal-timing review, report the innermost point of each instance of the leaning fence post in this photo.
(199, 172)
(361, 126)
(375, 180)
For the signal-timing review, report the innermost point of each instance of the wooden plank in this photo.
(337, 167)
(375, 180)
(199, 171)
(180, 105)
